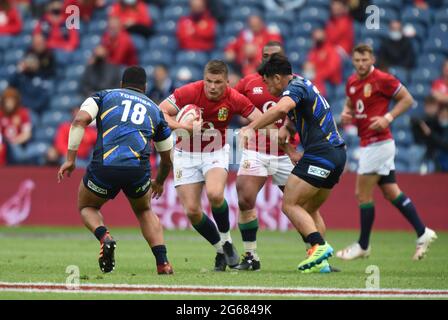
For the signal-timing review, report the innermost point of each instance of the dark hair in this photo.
(430, 99)
(276, 64)
(216, 67)
(135, 77)
(362, 47)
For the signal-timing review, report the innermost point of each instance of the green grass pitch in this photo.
(42, 254)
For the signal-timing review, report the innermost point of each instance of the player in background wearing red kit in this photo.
(263, 158)
(202, 157)
(369, 92)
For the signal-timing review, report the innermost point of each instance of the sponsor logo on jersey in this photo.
(287, 92)
(95, 188)
(318, 172)
(257, 90)
(352, 90)
(367, 90)
(223, 113)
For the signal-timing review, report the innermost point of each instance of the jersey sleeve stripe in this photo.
(109, 152)
(134, 153)
(152, 125)
(173, 104)
(396, 91)
(105, 113)
(143, 137)
(109, 130)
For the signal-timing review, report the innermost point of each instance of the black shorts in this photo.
(106, 182)
(322, 169)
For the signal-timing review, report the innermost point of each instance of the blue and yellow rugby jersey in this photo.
(312, 116)
(127, 121)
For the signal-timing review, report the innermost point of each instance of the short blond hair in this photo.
(362, 48)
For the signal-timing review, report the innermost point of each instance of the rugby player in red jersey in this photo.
(261, 159)
(202, 158)
(369, 92)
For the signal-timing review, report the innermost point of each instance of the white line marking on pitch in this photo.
(220, 290)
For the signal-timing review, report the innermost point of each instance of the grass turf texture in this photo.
(41, 254)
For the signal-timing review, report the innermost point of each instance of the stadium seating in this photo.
(430, 45)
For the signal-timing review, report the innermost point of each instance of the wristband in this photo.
(389, 117)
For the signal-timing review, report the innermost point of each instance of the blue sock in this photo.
(407, 209)
(207, 229)
(221, 216)
(100, 232)
(367, 218)
(160, 253)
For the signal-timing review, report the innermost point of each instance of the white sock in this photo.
(218, 247)
(251, 247)
(225, 236)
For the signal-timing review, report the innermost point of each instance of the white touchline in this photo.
(42, 287)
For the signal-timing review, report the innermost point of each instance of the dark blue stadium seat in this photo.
(97, 26)
(279, 27)
(424, 74)
(139, 43)
(196, 58)
(252, 3)
(441, 16)
(305, 28)
(224, 41)
(52, 118)
(29, 25)
(233, 28)
(403, 138)
(244, 12)
(314, 14)
(297, 57)
(403, 122)
(388, 14)
(437, 43)
(22, 41)
(420, 30)
(185, 73)
(431, 60)
(153, 57)
(419, 90)
(280, 16)
(90, 41)
(13, 56)
(414, 14)
(65, 102)
(5, 42)
(166, 27)
(162, 42)
(178, 2)
(394, 4)
(400, 73)
(68, 87)
(319, 3)
(44, 134)
(299, 44)
(155, 13)
(217, 55)
(74, 71)
(175, 12)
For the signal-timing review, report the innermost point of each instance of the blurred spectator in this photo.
(245, 53)
(100, 74)
(33, 86)
(44, 54)
(339, 28)
(421, 127)
(2, 149)
(119, 45)
(219, 9)
(440, 86)
(10, 21)
(285, 5)
(197, 30)
(16, 126)
(134, 16)
(57, 153)
(161, 85)
(325, 60)
(396, 50)
(86, 7)
(52, 27)
(358, 9)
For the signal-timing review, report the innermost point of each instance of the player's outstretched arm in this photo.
(347, 112)
(81, 121)
(164, 148)
(273, 114)
(404, 102)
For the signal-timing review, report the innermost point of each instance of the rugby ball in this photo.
(187, 113)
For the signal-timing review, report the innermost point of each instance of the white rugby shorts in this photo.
(377, 158)
(260, 164)
(191, 167)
